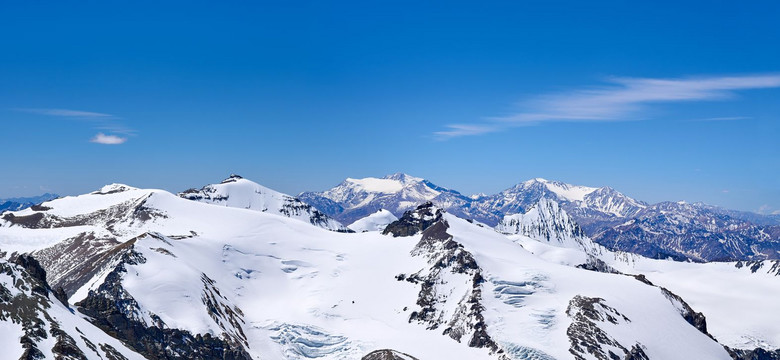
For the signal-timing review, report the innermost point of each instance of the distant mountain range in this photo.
(19, 203)
(682, 231)
(677, 230)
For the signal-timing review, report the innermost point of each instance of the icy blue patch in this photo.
(517, 352)
(309, 342)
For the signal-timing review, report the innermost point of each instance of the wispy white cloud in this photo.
(456, 130)
(101, 138)
(725, 118)
(68, 113)
(106, 123)
(621, 99)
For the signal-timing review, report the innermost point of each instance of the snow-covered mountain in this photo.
(547, 222)
(354, 199)
(374, 222)
(174, 278)
(607, 216)
(586, 204)
(236, 191)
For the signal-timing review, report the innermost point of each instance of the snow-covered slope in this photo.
(186, 279)
(236, 191)
(537, 307)
(374, 222)
(735, 297)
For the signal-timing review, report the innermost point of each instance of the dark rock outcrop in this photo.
(595, 264)
(415, 221)
(755, 354)
(386, 354)
(444, 254)
(587, 337)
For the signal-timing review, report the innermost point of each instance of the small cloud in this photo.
(725, 191)
(101, 122)
(101, 138)
(68, 113)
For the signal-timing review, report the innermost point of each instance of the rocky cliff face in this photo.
(41, 321)
(114, 310)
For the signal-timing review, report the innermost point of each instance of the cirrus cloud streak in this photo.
(621, 99)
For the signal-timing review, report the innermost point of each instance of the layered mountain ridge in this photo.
(695, 232)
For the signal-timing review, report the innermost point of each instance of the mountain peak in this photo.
(238, 192)
(232, 178)
(113, 189)
(403, 178)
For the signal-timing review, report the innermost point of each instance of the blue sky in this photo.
(660, 100)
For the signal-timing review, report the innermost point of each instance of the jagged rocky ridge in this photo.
(40, 321)
(445, 255)
(546, 221)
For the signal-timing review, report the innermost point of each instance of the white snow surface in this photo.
(374, 222)
(567, 191)
(242, 193)
(371, 184)
(310, 293)
(405, 191)
(534, 315)
(739, 305)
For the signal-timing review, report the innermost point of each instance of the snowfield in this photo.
(287, 288)
(374, 222)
